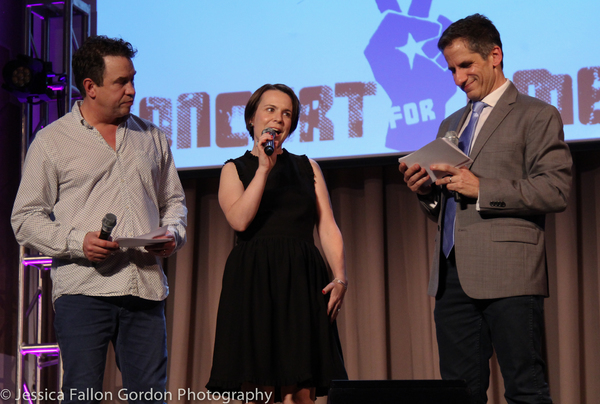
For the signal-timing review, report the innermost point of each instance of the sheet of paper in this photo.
(440, 151)
(144, 239)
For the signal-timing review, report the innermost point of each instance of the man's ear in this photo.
(497, 56)
(90, 87)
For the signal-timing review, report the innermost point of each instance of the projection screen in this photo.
(369, 76)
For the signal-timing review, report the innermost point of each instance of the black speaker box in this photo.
(399, 392)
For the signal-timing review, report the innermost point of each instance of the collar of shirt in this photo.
(491, 100)
(76, 110)
(121, 129)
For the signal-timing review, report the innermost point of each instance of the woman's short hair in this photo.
(254, 100)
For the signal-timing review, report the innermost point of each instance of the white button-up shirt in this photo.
(72, 178)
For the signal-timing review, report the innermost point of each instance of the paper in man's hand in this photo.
(144, 239)
(439, 151)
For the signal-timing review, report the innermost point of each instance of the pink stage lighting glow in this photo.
(40, 351)
(28, 394)
(42, 261)
(37, 15)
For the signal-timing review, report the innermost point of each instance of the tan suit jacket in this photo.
(524, 169)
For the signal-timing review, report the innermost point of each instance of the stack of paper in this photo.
(143, 240)
(440, 151)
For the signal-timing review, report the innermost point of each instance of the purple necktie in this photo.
(450, 212)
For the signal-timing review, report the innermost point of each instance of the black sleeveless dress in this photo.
(272, 323)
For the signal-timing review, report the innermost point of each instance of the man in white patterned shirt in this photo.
(99, 159)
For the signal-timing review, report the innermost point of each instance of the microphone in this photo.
(270, 144)
(108, 223)
(452, 137)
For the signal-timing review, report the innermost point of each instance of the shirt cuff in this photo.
(173, 229)
(75, 243)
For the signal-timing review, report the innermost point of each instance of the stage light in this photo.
(28, 78)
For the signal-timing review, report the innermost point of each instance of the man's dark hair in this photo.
(254, 100)
(478, 32)
(88, 60)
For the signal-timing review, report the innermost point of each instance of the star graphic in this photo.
(412, 48)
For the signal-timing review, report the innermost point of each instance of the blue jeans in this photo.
(468, 330)
(85, 325)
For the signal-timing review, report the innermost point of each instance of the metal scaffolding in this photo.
(42, 22)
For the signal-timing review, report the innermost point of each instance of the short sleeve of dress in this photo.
(242, 170)
(306, 168)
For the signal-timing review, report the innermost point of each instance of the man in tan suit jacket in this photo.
(491, 280)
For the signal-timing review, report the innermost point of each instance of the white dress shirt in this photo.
(72, 178)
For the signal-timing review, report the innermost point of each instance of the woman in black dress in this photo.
(276, 329)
